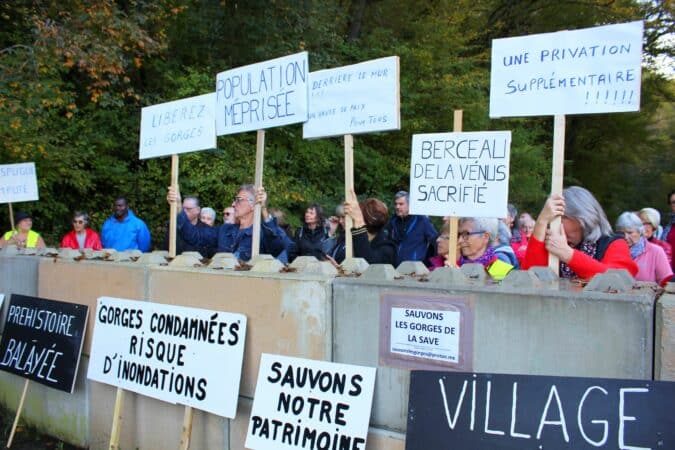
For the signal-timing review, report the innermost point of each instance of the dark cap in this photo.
(21, 215)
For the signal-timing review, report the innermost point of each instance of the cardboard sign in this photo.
(18, 183)
(594, 70)
(181, 126)
(301, 403)
(361, 98)
(426, 332)
(490, 412)
(263, 95)
(460, 174)
(176, 354)
(42, 340)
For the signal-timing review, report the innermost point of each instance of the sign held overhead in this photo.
(593, 70)
(18, 183)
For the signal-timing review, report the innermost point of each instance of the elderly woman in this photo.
(651, 220)
(22, 235)
(477, 236)
(81, 236)
(369, 239)
(443, 247)
(207, 216)
(651, 259)
(312, 238)
(585, 244)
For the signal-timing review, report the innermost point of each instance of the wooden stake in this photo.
(117, 420)
(349, 187)
(186, 433)
(18, 412)
(557, 177)
(173, 208)
(454, 221)
(11, 216)
(259, 159)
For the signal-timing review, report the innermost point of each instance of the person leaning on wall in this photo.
(585, 243)
(81, 236)
(23, 235)
(369, 238)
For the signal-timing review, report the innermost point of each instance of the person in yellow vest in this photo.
(476, 236)
(22, 236)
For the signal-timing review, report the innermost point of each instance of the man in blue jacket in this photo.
(415, 236)
(123, 230)
(237, 238)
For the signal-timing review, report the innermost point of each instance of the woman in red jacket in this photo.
(81, 236)
(585, 244)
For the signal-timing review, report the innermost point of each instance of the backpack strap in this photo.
(603, 245)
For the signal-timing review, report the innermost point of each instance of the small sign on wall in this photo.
(427, 332)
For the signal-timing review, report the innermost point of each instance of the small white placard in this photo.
(361, 98)
(593, 70)
(302, 403)
(262, 95)
(18, 183)
(2, 300)
(460, 174)
(425, 333)
(181, 126)
(176, 354)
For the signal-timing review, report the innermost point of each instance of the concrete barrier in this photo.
(526, 325)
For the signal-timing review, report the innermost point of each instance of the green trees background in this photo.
(74, 76)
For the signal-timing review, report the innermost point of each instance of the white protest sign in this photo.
(2, 300)
(460, 174)
(593, 70)
(176, 354)
(431, 334)
(18, 183)
(361, 98)
(302, 403)
(262, 95)
(181, 126)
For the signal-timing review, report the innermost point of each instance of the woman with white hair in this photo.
(207, 216)
(651, 221)
(584, 245)
(476, 237)
(651, 259)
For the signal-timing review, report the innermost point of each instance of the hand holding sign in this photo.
(353, 210)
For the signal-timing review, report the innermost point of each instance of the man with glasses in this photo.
(192, 211)
(414, 236)
(228, 215)
(236, 238)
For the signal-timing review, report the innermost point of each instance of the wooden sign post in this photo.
(173, 208)
(349, 187)
(528, 78)
(18, 413)
(117, 420)
(11, 216)
(259, 161)
(453, 224)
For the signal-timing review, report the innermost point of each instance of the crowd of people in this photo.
(571, 226)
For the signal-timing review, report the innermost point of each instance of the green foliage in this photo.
(74, 75)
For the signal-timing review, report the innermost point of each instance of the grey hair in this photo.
(209, 212)
(512, 211)
(629, 221)
(503, 233)
(250, 189)
(652, 216)
(401, 194)
(190, 197)
(340, 210)
(82, 214)
(487, 224)
(582, 206)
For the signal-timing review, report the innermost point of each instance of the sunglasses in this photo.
(78, 221)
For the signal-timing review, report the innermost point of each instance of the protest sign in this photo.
(306, 404)
(262, 95)
(460, 174)
(593, 70)
(180, 126)
(42, 340)
(176, 354)
(426, 332)
(360, 98)
(18, 183)
(2, 300)
(490, 412)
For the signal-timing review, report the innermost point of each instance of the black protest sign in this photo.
(43, 340)
(483, 411)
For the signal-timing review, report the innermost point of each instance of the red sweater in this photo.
(92, 240)
(617, 256)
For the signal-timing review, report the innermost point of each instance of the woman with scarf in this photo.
(650, 258)
(476, 237)
(584, 245)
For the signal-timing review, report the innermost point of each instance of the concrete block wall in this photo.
(528, 327)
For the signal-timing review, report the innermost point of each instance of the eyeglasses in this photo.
(444, 237)
(238, 200)
(78, 221)
(226, 214)
(466, 234)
